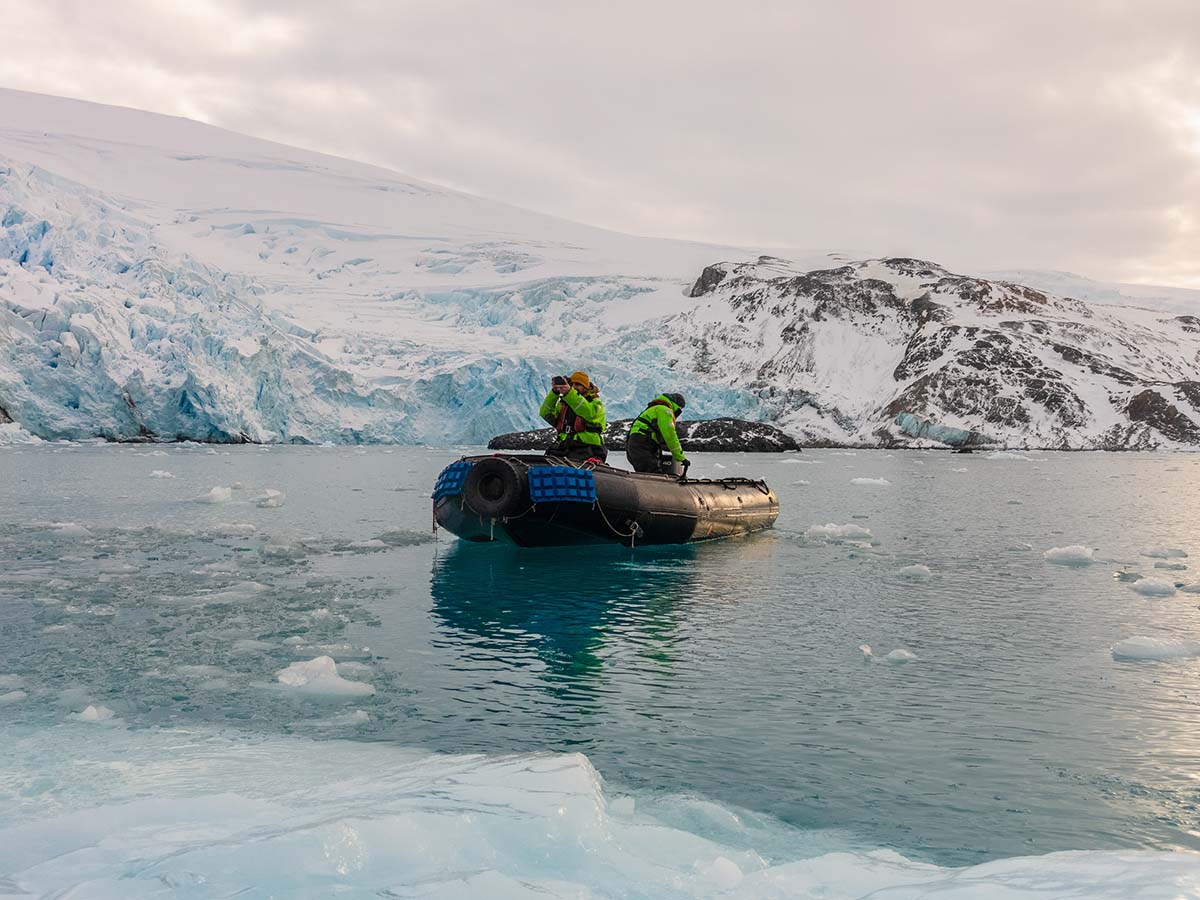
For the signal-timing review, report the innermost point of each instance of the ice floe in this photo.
(1165, 553)
(12, 697)
(320, 676)
(95, 713)
(217, 494)
(1072, 555)
(834, 533)
(270, 499)
(1142, 647)
(917, 572)
(70, 530)
(1153, 587)
(161, 473)
(874, 482)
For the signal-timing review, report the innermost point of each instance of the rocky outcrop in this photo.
(842, 355)
(723, 435)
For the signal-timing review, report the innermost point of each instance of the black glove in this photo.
(685, 462)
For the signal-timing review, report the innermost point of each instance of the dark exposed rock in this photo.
(709, 279)
(5, 418)
(715, 435)
(1155, 410)
(1189, 323)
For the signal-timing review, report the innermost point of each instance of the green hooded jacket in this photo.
(591, 411)
(658, 421)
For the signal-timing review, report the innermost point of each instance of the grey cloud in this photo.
(1023, 134)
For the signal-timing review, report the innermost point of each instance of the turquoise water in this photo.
(726, 676)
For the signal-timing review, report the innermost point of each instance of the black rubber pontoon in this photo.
(539, 501)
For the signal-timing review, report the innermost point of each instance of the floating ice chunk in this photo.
(161, 473)
(57, 629)
(1190, 588)
(723, 873)
(837, 533)
(1127, 577)
(1153, 587)
(322, 613)
(718, 466)
(916, 572)
(237, 486)
(12, 697)
(1020, 547)
(320, 676)
(116, 567)
(1142, 647)
(95, 714)
(284, 551)
(8, 682)
(866, 651)
(1007, 454)
(963, 469)
(294, 641)
(70, 530)
(801, 483)
(1171, 567)
(900, 655)
(876, 482)
(230, 529)
(216, 495)
(1165, 553)
(1073, 555)
(270, 499)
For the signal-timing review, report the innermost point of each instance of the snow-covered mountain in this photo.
(165, 279)
(839, 353)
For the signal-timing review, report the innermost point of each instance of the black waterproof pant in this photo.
(645, 456)
(577, 451)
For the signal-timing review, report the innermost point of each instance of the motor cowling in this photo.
(496, 488)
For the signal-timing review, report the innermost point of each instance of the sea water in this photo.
(256, 670)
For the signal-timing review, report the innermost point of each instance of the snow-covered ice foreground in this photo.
(121, 815)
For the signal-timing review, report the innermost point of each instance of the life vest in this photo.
(572, 428)
(650, 425)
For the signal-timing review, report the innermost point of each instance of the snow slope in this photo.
(164, 279)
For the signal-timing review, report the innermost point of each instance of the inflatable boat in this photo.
(539, 501)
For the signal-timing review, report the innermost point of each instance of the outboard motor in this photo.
(496, 488)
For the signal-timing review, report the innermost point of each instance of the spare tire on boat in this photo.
(539, 501)
(495, 488)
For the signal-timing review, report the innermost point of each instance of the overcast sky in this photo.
(979, 134)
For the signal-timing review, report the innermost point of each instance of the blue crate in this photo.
(561, 484)
(450, 482)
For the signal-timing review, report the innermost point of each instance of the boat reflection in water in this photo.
(558, 615)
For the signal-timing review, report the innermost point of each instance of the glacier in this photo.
(161, 280)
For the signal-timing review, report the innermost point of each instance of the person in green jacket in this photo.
(574, 408)
(653, 433)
